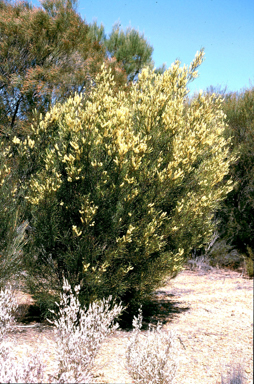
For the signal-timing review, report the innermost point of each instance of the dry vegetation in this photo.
(212, 313)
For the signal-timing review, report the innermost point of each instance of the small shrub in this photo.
(8, 305)
(45, 304)
(200, 263)
(27, 370)
(151, 359)
(80, 333)
(248, 262)
(249, 266)
(224, 255)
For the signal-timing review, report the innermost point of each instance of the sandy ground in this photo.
(212, 314)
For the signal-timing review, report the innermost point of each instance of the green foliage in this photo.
(120, 187)
(129, 48)
(237, 212)
(12, 230)
(45, 304)
(224, 255)
(46, 55)
(248, 261)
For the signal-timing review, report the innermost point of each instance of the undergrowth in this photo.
(80, 333)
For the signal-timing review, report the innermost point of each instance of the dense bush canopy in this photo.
(237, 212)
(120, 187)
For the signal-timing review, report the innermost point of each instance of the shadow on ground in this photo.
(27, 314)
(164, 309)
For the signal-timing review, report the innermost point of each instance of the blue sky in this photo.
(177, 29)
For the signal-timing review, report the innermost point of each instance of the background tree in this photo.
(125, 184)
(237, 212)
(131, 49)
(46, 55)
(128, 48)
(49, 53)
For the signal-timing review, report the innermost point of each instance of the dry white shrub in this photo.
(80, 333)
(8, 305)
(27, 370)
(151, 358)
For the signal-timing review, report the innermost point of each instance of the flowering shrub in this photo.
(152, 358)
(121, 186)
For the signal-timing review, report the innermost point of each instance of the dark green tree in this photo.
(46, 55)
(237, 212)
(129, 48)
